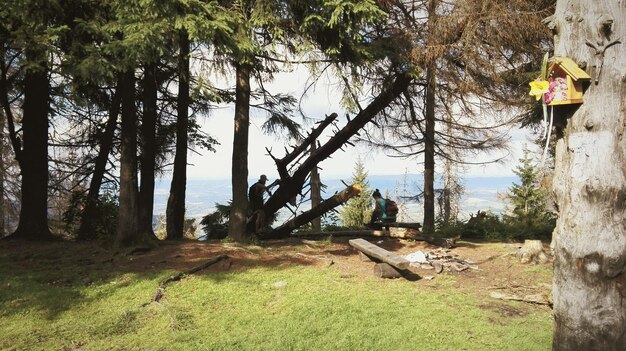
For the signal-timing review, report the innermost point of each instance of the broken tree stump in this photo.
(532, 251)
(379, 253)
(385, 270)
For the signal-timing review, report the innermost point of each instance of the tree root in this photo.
(161, 289)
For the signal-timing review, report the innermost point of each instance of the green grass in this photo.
(311, 308)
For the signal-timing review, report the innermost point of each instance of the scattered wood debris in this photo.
(438, 260)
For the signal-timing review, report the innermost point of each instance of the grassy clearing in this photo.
(64, 307)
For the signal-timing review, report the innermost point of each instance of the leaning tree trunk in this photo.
(239, 209)
(33, 158)
(175, 212)
(86, 230)
(589, 241)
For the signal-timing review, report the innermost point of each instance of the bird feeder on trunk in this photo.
(566, 82)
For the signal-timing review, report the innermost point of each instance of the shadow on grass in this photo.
(52, 277)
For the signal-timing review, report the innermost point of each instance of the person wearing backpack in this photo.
(385, 210)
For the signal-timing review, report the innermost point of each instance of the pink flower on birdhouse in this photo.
(557, 90)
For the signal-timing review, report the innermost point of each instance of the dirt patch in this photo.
(498, 268)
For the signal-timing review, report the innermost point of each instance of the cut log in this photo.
(385, 270)
(379, 253)
(532, 251)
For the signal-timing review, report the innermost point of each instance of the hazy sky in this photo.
(321, 102)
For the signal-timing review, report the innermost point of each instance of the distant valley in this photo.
(480, 193)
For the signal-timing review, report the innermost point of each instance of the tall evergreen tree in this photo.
(175, 212)
(529, 199)
(358, 210)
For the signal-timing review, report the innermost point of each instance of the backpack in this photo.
(391, 208)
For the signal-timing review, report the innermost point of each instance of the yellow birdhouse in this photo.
(566, 82)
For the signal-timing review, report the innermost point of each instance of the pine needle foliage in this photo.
(358, 210)
(529, 201)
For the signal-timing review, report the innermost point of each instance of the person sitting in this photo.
(382, 214)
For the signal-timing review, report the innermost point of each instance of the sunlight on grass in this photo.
(297, 308)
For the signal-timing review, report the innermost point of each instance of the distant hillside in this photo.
(481, 192)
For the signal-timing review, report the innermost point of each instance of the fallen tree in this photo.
(293, 178)
(306, 217)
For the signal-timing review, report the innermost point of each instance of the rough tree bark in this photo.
(148, 149)
(86, 229)
(429, 153)
(316, 192)
(589, 242)
(239, 208)
(33, 157)
(175, 212)
(128, 217)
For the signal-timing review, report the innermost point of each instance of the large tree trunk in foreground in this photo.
(87, 230)
(239, 208)
(589, 241)
(175, 213)
(33, 158)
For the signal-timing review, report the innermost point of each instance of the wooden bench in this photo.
(390, 265)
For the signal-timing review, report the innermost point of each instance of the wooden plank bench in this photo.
(388, 258)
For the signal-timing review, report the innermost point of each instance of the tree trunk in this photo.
(148, 150)
(87, 230)
(2, 174)
(33, 160)
(316, 192)
(128, 217)
(429, 154)
(589, 242)
(239, 209)
(175, 212)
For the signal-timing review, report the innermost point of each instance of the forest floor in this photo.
(279, 295)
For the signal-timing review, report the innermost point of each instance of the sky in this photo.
(322, 101)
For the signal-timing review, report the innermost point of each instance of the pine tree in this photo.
(528, 198)
(357, 211)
